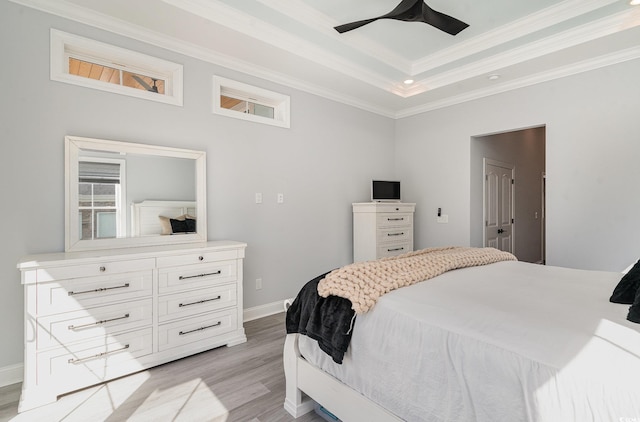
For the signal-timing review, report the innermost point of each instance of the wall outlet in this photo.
(258, 284)
(258, 198)
(443, 219)
(281, 198)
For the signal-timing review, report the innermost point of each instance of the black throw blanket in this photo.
(326, 320)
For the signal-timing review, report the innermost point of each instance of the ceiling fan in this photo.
(413, 11)
(145, 85)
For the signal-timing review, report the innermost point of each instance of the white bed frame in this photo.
(145, 221)
(306, 385)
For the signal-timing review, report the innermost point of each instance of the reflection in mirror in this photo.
(100, 197)
(124, 194)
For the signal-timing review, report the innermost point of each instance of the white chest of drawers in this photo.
(382, 229)
(94, 316)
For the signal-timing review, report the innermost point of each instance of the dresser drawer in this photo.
(196, 329)
(394, 235)
(80, 293)
(394, 220)
(94, 269)
(200, 257)
(196, 276)
(70, 327)
(193, 302)
(394, 249)
(91, 362)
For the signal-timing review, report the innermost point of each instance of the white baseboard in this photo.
(264, 310)
(11, 374)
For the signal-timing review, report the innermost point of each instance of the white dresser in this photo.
(382, 229)
(94, 316)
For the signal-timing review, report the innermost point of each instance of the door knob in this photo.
(500, 231)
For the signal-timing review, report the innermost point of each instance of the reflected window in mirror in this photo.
(101, 193)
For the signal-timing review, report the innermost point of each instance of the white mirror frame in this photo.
(74, 144)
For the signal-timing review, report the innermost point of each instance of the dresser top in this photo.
(65, 258)
(383, 206)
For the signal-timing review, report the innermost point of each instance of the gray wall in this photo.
(592, 151)
(160, 179)
(525, 150)
(322, 164)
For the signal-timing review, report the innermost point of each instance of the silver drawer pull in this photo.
(395, 234)
(199, 302)
(184, 277)
(104, 321)
(99, 355)
(101, 289)
(395, 219)
(394, 249)
(200, 329)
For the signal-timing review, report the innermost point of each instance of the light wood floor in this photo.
(240, 383)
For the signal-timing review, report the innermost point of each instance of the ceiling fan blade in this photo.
(401, 9)
(143, 83)
(413, 11)
(443, 22)
(353, 25)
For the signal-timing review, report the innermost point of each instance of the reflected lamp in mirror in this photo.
(121, 194)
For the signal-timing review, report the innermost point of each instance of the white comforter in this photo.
(508, 341)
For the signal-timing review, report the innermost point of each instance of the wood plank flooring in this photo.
(239, 383)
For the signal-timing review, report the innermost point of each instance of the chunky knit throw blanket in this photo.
(364, 282)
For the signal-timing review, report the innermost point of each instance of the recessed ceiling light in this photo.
(494, 77)
(408, 81)
(634, 2)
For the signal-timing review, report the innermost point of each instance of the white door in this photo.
(498, 207)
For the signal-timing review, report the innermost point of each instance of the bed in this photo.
(508, 341)
(151, 218)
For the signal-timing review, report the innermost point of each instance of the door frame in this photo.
(489, 161)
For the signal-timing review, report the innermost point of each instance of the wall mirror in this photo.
(121, 194)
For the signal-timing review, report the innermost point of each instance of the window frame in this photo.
(121, 196)
(65, 45)
(280, 103)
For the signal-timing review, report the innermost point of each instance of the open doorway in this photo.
(525, 150)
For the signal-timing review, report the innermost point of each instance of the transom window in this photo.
(85, 62)
(98, 72)
(242, 101)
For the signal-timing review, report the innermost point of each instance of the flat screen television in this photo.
(385, 190)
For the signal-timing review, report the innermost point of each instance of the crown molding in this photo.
(532, 23)
(557, 73)
(222, 14)
(609, 25)
(587, 32)
(107, 23)
(320, 22)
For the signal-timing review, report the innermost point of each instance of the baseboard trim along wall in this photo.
(13, 374)
(265, 310)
